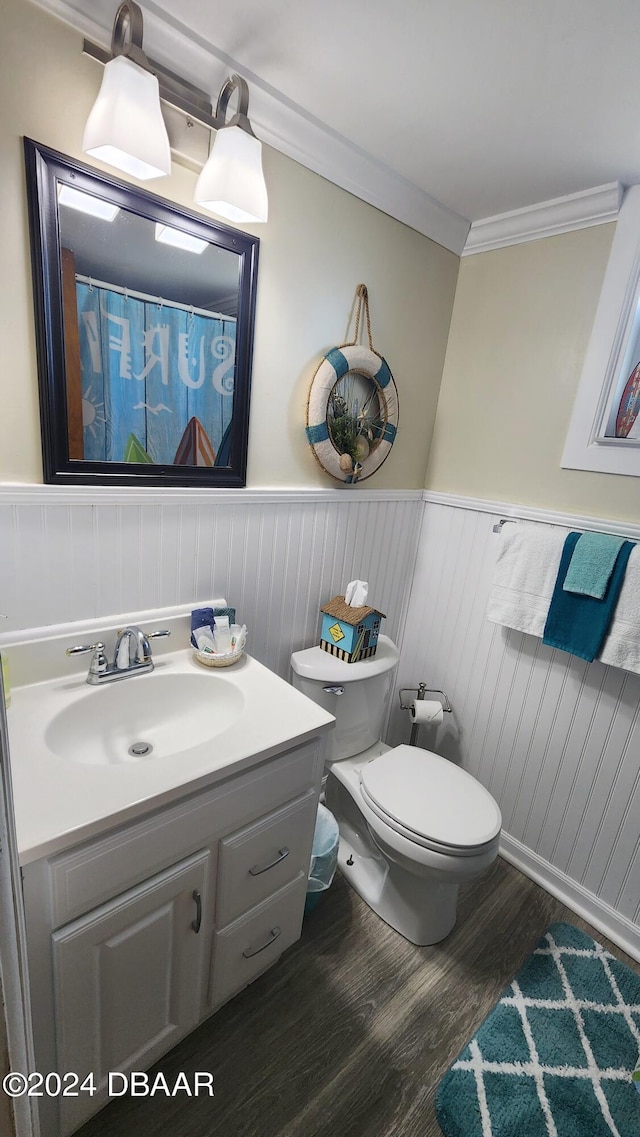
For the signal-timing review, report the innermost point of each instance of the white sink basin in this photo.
(144, 717)
(73, 776)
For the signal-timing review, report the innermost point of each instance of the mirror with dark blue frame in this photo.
(144, 321)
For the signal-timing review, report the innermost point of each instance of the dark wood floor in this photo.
(349, 1034)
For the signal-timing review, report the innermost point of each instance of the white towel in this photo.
(525, 574)
(622, 645)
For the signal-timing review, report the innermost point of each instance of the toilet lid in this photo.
(431, 797)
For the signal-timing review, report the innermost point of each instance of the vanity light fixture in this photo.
(87, 203)
(126, 128)
(167, 235)
(232, 183)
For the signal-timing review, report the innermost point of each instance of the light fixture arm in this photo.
(240, 118)
(126, 39)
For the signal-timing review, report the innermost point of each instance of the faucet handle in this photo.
(147, 635)
(80, 649)
(99, 663)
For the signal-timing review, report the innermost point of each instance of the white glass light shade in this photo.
(125, 127)
(231, 183)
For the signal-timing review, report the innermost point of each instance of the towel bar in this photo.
(568, 524)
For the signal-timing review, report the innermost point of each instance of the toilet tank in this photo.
(360, 696)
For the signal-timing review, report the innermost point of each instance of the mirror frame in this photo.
(45, 168)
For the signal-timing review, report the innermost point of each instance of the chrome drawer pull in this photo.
(195, 924)
(273, 935)
(256, 870)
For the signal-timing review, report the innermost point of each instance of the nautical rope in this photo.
(363, 302)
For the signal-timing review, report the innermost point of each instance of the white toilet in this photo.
(413, 826)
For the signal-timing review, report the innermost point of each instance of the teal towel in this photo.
(579, 624)
(592, 563)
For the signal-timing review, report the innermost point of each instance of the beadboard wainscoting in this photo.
(275, 555)
(556, 740)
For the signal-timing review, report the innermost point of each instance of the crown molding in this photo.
(546, 219)
(327, 153)
(278, 121)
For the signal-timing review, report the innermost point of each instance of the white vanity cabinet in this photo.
(137, 936)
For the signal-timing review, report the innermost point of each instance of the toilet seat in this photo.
(430, 801)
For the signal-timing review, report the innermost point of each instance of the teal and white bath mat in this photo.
(555, 1057)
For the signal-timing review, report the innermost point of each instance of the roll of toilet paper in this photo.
(426, 711)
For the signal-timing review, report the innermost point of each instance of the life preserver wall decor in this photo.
(352, 412)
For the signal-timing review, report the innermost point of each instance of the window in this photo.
(604, 433)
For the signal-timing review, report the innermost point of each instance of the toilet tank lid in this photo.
(316, 663)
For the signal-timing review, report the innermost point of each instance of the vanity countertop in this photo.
(60, 801)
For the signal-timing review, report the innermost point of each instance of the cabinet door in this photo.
(128, 979)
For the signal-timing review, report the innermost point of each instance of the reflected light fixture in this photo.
(126, 128)
(87, 203)
(167, 235)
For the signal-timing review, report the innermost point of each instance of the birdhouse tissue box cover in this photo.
(349, 633)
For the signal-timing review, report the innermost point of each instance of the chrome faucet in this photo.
(132, 655)
(132, 648)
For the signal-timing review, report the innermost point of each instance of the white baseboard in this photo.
(618, 928)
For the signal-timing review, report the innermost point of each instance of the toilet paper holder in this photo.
(420, 691)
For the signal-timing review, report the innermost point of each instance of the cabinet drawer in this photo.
(263, 857)
(251, 944)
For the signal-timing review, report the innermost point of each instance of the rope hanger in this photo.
(362, 293)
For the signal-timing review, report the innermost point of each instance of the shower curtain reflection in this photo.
(157, 378)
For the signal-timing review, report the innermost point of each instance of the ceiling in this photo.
(477, 106)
